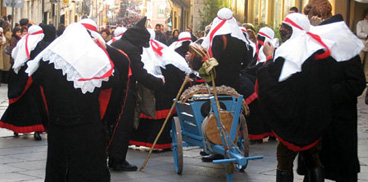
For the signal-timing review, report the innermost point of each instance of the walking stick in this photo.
(186, 80)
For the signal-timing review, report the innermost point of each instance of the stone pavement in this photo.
(23, 159)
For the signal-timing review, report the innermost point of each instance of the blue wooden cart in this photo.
(188, 130)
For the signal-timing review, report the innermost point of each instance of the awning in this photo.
(362, 1)
(181, 3)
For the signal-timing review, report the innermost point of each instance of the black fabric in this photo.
(120, 141)
(149, 128)
(29, 110)
(138, 34)
(230, 59)
(118, 92)
(77, 154)
(183, 49)
(340, 143)
(297, 109)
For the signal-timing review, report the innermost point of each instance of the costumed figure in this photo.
(227, 44)
(159, 60)
(73, 70)
(131, 43)
(295, 95)
(26, 111)
(339, 154)
(182, 45)
(257, 126)
(119, 31)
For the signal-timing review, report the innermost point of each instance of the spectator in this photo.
(293, 10)
(159, 35)
(362, 33)
(174, 37)
(194, 38)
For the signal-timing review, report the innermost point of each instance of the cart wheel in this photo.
(243, 141)
(177, 145)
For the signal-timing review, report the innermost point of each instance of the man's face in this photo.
(285, 32)
(157, 29)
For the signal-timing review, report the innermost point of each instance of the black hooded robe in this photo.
(76, 134)
(27, 110)
(131, 43)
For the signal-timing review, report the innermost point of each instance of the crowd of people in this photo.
(96, 93)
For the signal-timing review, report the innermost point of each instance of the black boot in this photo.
(315, 175)
(37, 136)
(284, 176)
(122, 166)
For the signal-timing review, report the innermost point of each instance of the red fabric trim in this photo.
(263, 34)
(213, 33)
(224, 19)
(324, 55)
(294, 147)
(269, 58)
(184, 39)
(261, 42)
(157, 146)
(199, 80)
(28, 84)
(27, 51)
(261, 136)
(161, 114)
(44, 100)
(89, 27)
(108, 73)
(126, 96)
(156, 47)
(251, 98)
(104, 99)
(22, 129)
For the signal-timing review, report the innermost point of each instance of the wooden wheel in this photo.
(177, 145)
(243, 140)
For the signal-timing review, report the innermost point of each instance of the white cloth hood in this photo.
(183, 37)
(223, 24)
(158, 55)
(347, 44)
(22, 52)
(92, 27)
(118, 33)
(268, 35)
(83, 62)
(300, 46)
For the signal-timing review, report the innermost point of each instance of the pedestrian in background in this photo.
(174, 37)
(159, 35)
(6, 57)
(362, 33)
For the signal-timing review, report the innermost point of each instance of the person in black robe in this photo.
(296, 100)
(27, 112)
(76, 134)
(339, 154)
(131, 43)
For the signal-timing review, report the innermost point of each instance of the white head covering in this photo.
(223, 24)
(119, 31)
(83, 62)
(249, 42)
(269, 35)
(183, 37)
(3, 37)
(158, 55)
(300, 46)
(1, 29)
(347, 44)
(92, 27)
(22, 52)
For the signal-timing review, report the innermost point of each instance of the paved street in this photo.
(23, 159)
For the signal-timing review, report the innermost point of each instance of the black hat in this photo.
(138, 35)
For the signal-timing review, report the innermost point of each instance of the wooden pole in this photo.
(186, 80)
